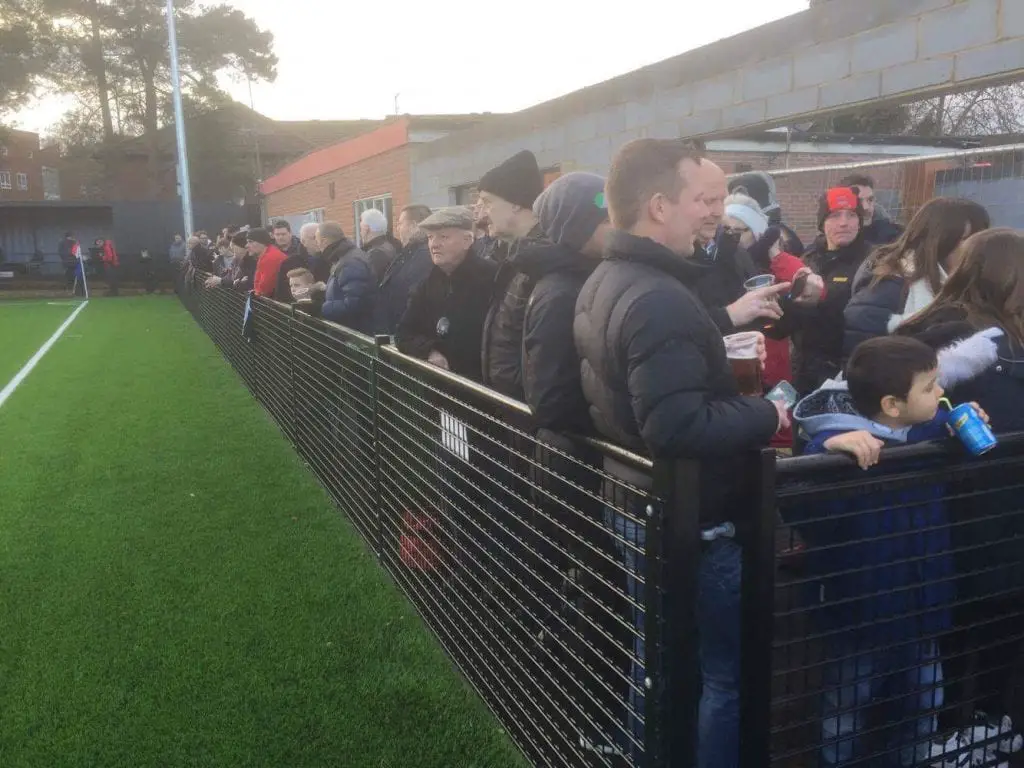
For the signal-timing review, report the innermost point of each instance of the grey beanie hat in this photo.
(571, 208)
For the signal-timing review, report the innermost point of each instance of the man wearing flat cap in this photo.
(445, 317)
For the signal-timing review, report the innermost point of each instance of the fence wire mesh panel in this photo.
(527, 559)
(992, 176)
(898, 616)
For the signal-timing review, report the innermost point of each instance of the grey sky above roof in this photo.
(475, 57)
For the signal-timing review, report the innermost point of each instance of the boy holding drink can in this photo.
(882, 560)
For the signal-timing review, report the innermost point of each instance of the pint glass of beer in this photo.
(741, 349)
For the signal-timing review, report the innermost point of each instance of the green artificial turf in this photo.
(176, 590)
(24, 326)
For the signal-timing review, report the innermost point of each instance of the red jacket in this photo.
(267, 269)
(109, 254)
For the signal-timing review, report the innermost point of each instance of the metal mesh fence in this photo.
(539, 570)
(895, 611)
(992, 176)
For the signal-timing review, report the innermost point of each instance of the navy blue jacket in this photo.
(351, 289)
(870, 310)
(409, 268)
(882, 562)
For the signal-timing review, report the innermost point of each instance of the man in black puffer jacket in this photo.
(656, 377)
(410, 267)
(833, 261)
(507, 194)
(572, 213)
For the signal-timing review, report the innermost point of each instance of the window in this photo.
(5, 179)
(743, 168)
(316, 216)
(382, 204)
(23, 181)
(3, 151)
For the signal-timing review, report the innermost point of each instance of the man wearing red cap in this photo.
(832, 262)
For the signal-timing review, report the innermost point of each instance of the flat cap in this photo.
(455, 217)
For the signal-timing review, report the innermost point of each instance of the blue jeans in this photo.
(908, 678)
(718, 621)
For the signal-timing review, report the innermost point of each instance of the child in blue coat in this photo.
(881, 561)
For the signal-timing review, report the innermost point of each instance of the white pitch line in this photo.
(26, 369)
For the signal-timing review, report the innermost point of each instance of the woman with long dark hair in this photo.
(902, 278)
(983, 302)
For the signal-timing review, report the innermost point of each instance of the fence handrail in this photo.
(931, 449)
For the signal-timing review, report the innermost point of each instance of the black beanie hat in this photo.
(240, 239)
(517, 180)
(259, 235)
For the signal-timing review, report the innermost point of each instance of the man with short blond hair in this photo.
(656, 377)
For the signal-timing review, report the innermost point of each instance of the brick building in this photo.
(339, 182)
(832, 58)
(28, 173)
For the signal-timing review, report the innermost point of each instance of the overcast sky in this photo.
(458, 56)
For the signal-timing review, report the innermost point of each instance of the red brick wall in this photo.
(23, 156)
(798, 193)
(386, 173)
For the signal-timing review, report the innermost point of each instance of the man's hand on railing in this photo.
(436, 358)
(212, 282)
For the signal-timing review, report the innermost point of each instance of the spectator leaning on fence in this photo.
(573, 215)
(379, 248)
(410, 267)
(878, 228)
(268, 265)
(317, 264)
(655, 375)
(243, 266)
(445, 319)
(507, 194)
(351, 290)
(901, 279)
(884, 559)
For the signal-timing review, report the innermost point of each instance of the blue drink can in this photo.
(972, 431)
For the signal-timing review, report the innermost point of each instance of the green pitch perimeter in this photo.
(176, 590)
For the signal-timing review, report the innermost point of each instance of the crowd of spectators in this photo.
(604, 305)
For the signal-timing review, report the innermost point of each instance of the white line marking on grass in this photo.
(26, 369)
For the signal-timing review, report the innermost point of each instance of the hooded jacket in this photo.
(883, 560)
(446, 313)
(551, 369)
(351, 289)
(817, 331)
(502, 351)
(654, 370)
(268, 268)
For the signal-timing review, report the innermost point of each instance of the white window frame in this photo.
(5, 180)
(382, 203)
(23, 182)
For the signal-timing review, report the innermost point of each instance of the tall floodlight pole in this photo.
(179, 123)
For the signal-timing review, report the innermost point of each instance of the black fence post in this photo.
(757, 612)
(673, 560)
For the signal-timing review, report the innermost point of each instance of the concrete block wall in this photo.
(383, 174)
(836, 55)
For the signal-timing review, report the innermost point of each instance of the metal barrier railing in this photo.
(541, 569)
(882, 612)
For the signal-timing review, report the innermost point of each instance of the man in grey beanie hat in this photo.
(572, 209)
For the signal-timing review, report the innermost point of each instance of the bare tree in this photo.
(983, 112)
